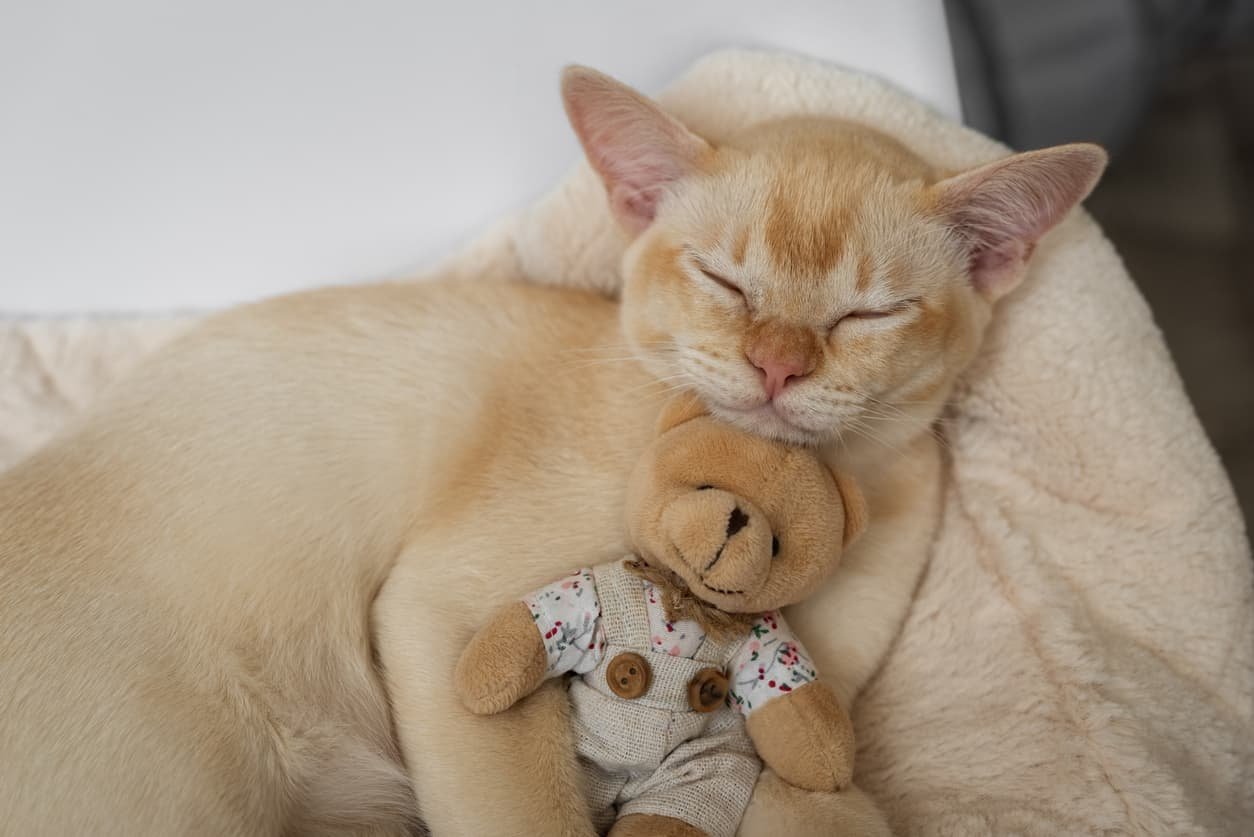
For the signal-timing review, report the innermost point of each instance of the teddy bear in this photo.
(685, 673)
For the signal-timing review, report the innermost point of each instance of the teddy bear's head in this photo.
(747, 524)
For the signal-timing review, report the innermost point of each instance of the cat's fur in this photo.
(228, 595)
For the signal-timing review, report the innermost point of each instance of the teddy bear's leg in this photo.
(481, 776)
(780, 808)
(654, 825)
(706, 780)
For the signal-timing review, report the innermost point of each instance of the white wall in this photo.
(161, 154)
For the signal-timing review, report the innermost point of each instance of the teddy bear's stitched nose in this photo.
(736, 521)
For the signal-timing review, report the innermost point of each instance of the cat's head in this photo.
(811, 276)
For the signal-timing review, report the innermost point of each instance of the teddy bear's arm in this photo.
(806, 737)
(552, 631)
(506, 661)
(795, 721)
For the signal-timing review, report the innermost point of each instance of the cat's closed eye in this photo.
(721, 280)
(876, 313)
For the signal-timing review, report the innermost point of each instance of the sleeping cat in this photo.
(228, 594)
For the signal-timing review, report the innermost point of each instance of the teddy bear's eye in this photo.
(704, 487)
(774, 546)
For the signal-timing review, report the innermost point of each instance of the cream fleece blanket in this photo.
(1080, 657)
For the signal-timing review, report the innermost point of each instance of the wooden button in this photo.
(628, 675)
(708, 690)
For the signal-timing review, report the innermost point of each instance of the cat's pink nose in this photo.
(778, 372)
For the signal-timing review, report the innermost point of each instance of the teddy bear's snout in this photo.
(722, 539)
(743, 560)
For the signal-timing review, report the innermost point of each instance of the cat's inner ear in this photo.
(636, 148)
(1000, 210)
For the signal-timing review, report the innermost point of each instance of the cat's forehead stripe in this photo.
(866, 269)
(805, 238)
(739, 244)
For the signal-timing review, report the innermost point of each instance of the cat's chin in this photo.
(767, 421)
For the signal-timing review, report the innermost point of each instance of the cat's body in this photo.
(228, 596)
(186, 578)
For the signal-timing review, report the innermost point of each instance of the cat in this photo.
(228, 592)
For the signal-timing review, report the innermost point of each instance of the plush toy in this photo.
(684, 664)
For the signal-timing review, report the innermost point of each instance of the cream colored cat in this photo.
(231, 595)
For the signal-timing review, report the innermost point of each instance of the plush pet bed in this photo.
(1080, 656)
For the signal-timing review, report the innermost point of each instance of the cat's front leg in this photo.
(479, 776)
(849, 627)
(850, 623)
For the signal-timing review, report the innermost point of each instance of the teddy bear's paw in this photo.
(806, 737)
(504, 662)
(491, 698)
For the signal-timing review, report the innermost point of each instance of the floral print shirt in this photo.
(772, 662)
(568, 616)
(769, 663)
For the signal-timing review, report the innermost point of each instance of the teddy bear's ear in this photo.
(855, 506)
(683, 407)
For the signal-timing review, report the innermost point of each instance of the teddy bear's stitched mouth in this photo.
(714, 560)
(720, 590)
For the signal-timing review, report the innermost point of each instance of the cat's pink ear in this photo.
(1001, 210)
(636, 148)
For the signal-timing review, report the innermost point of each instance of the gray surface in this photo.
(1039, 73)
(1179, 205)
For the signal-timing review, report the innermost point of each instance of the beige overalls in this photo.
(653, 730)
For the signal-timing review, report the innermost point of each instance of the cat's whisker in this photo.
(924, 425)
(906, 417)
(605, 361)
(618, 349)
(898, 404)
(667, 391)
(603, 348)
(897, 419)
(664, 379)
(893, 403)
(616, 353)
(931, 425)
(669, 383)
(865, 433)
(892, 411)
